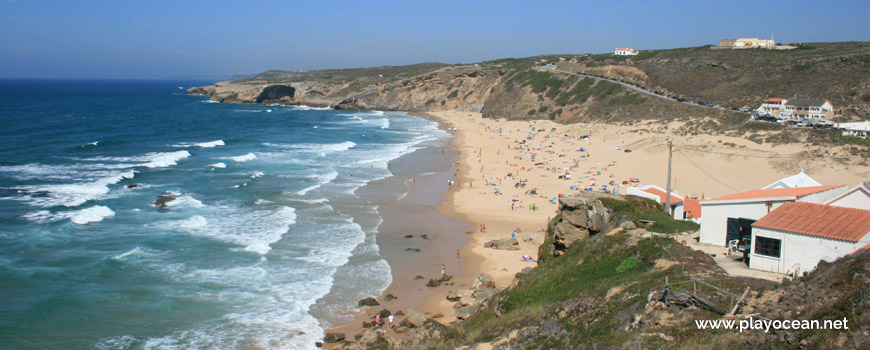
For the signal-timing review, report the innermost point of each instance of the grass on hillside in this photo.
(637, 208)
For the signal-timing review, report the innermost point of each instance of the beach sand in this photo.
(488, 150)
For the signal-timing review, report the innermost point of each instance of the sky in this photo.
(189, 39)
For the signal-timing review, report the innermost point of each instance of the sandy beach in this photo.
(506, 168)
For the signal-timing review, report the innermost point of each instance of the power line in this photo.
(705, 172)
(738, 155)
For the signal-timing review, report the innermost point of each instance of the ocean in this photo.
(136, 216)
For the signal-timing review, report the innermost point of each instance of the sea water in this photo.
(260, 218)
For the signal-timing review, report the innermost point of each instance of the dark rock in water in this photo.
(368, 302)
(418, 277)
(409, 236)
(415, 250)
(318, 344)
(389, 297)
(164, 199)
(132, 185)
(424, 236)
(333, 337)
(9, 192)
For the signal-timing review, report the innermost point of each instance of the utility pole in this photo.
(670, 156)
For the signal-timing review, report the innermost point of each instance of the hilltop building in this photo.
(798, 235)
(772, 106)
(625, 51)
(746, 43)
(730, 218)
(807, 109)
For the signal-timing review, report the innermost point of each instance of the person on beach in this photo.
(443, 270)
(390, 319)
(378, 321)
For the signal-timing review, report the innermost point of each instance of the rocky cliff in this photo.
(629, 288)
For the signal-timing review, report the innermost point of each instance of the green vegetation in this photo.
(802, 67)
(585, 89)
(453, 94)
(587, 269)
(430, 101)
(531, 112)
(865, 98)
(627, 99)
(539, 81)
(542, 109)
(635, 209)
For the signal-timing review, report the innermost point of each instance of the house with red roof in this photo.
(659, 194)
(625, 51)
(730, 218)
(796, 236)
(858, 197)
(772, 106)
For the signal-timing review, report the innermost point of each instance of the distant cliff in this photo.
(522, 89)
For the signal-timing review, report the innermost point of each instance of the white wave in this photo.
(254, 230)
(134, 252)
(185, 201)
(385, 123)
(195, 221)
(75, 194)
(90, 144)
(257, 175)
(165, 159)
(262, 201)
(93, 214)
(45, 216)
(219, 165)
(211, 101)
(315, 147)
(210, 144)
(243, 158)
(321, 180)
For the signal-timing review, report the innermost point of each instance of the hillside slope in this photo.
(521, 89)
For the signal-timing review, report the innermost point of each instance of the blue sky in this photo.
(189, 39)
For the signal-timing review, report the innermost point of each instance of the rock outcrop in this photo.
(579, 217)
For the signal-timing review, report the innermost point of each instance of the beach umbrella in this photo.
(496, 189)
(516, 196)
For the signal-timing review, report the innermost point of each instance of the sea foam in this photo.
(93, 214)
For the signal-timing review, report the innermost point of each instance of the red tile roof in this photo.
(845, 224)
(776, 192)
(692, 208)
(662, 195)
(774, 99)
(624, 49)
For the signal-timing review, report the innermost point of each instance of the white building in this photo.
(659, 195)
(730, 217)
(860, 129)
(856, 198)
(797, 180)
(797, 236)
(772, 106)
(625, 51)
(806, 109)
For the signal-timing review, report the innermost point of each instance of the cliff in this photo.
(608, 291)
(522, 89)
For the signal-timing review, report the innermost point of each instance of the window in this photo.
(767, 246)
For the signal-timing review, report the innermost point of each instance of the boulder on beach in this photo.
(504, 244)
(414, 318)
(466, 311)
(333, 338)
(483, 281)
(368, 302)
(457, 294)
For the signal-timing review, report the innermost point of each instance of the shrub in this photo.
(626, 264)
(453, 94)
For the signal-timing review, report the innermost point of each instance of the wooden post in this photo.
(734, 309)
(668, 195)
